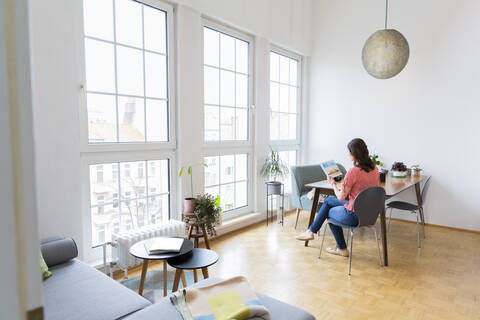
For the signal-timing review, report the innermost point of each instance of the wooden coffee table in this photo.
(139, 251)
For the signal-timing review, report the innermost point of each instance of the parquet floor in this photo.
(439, 281)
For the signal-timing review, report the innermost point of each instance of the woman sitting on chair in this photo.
(363, 175)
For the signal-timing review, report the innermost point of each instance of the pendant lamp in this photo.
(386, 52)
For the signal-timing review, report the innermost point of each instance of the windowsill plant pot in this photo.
(207, 212)
(274, 187)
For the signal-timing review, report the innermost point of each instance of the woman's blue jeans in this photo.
(333, 208)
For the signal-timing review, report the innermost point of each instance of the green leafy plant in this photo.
(376, 160)
(416, 167)
(188, 169)
(274, 167)
(207, 211)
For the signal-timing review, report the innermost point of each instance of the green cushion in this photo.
(44, 267)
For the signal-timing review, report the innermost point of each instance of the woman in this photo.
(363, 175)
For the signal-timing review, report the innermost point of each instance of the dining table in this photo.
(393, 186)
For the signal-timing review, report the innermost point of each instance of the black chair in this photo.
(367, 206)
(416, 209)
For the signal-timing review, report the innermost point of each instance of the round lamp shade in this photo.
(385, 53)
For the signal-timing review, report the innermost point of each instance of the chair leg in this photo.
(389, 219)
(351, 253)
(418, 230)
(323, 239)
(296, 220)
(378, 246)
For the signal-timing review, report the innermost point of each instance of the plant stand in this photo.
(275, 188)
(200, 232)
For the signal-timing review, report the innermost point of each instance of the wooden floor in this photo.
(439, 281)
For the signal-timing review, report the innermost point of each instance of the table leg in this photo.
(142, 278)
(176, 280)
(314, 210)
(195, 277)
(205, 273)
(184, 281)
(420, 203)
(384, 237)
(164, 278)
(205, 237)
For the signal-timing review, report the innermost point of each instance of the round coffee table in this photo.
(139, 251)
(198, 258)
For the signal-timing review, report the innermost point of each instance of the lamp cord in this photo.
(386, 13)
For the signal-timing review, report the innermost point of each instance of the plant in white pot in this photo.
(274, 168)
(416, 170)
(399, 170)
(189, 202)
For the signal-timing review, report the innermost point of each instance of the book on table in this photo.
(163, 245)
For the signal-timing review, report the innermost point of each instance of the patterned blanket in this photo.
(231, 299)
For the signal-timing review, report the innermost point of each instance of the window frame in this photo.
(85, 146)
(291, 55)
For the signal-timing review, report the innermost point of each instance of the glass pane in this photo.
(293, 100)
(103, 218)
(293, 72)
(102, 118)
(211, 85)
(212, 171)
(211, 47)
(128, 18)
(241, 93)
(98, 18)
(284, 69)
(211, 123)
(284, 100)
(99, 66)
(129, 71)
(214, 191)
(274, 126)
(227, 52)
(156, 75)
(155, 29)
(274, 65)
(227, 123)
(227, 168)
(157, 120)
(227, 196)
(158, 209)
(132, 184)
(134, 212)
(241, 125)
(240, 194)
(240, 167)
(242, 56)
(158, 179)
(283, 134)
(292, 127)
(274, 94)
(131, 118)
(102, 184)
(227, 88)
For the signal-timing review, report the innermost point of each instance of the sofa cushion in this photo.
(78, 291)
(57, 250)
(164, 309)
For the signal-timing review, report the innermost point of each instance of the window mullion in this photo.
(116, 72)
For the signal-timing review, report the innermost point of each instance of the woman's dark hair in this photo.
(358, 149)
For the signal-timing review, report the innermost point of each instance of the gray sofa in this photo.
(78, 291)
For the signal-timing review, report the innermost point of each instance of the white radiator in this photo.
(121, 253)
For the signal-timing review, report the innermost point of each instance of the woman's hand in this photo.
(331, 180)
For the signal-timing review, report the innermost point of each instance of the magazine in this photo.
(163, 245)
(331, 169)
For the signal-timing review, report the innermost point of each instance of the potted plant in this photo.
(189, 202)
(207, 211)
(274, 168)
(399, 170)
(383, 172)
(416, 170)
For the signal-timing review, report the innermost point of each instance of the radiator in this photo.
(123, 241)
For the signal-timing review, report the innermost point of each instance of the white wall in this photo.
(428, 114)
(57, 40)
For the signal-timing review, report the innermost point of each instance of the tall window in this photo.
(284, 100)
(126, 72)
(227, 176)
(126, 202)
(290, 159)
(226, 86)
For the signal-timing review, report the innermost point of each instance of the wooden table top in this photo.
(393, 186)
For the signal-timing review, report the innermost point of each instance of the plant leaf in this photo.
(181, 171)
(189, 170)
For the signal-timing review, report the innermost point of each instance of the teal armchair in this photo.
(302, 175)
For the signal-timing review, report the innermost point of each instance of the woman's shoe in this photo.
(338, 252)
(305, 236)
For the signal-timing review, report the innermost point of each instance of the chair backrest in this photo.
(425, 190)
(368, 205)
(302, 175)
